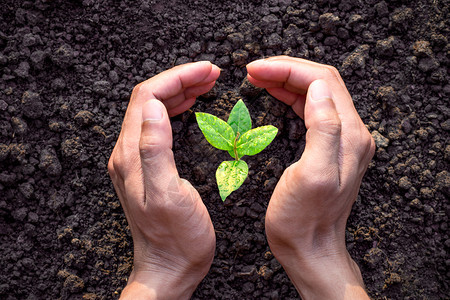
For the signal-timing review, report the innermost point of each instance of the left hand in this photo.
(173, 236)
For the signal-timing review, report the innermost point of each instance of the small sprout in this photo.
(238, 138)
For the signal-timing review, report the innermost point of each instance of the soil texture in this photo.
(67, 69)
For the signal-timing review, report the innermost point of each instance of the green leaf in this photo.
(217, 132)
(255, 140)
(231, 152)
(230, 175)
(239, 118)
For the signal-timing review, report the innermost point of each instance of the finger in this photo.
(296, 101)
(171, 83)
(191, 92)
(321, 155)
(296, 62)
(196, 91)
(176, 80)
(325, 68)
(182, 107)
(275, 84)
(299, 74)
(155, 146)
(282, 71)
(167, 84)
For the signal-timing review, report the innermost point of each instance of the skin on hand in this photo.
(173, 236)
(308, 211)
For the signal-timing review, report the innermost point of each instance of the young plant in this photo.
(238, 138)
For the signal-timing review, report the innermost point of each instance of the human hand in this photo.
(173, 236)
(309, 208)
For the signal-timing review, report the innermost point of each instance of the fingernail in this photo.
(319, 90)
(152, 110)
(255, 62)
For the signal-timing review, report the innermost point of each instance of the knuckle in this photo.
(112, 163)
(317, 182)
(363, 144)
(324, 182)
(332, 124)
(186, 195)
(293, 177)
(142, 89)
(117, 162)
(330, 72)
(370, 146)
(328, 122)
(149, 147)
(117, 165)
(367, 143)
(111, 169)
(137, 88)
(179, 194)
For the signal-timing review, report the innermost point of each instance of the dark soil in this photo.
(67, 69)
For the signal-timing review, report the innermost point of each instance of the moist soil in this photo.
(67, 70)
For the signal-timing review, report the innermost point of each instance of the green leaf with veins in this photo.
(255, 140)
(217, 132)
(236, 137)
(230, 175)
(239, 118)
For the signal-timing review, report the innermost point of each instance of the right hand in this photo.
(307, 214)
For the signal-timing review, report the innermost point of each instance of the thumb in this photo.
(155, 146)
(321, 155)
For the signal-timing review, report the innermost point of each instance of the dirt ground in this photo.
(67, 69)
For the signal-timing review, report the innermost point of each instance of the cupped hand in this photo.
(307, 214)
(174, 239)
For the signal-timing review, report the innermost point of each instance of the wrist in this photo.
(331, 274)
(159, 285)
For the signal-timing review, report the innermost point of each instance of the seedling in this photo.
(238, 138)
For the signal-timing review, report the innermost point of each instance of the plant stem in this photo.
(236, 157)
